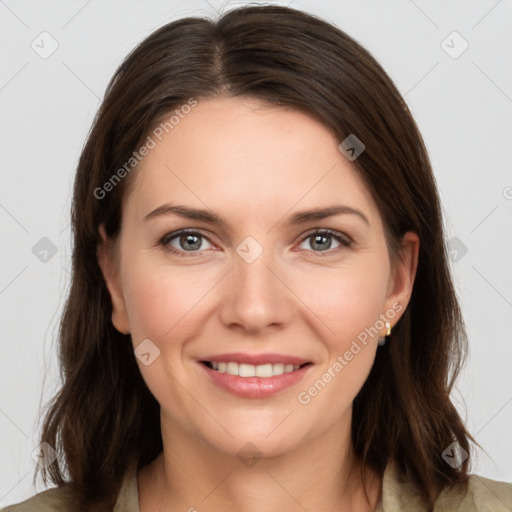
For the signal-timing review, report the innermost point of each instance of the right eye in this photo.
(187, 241)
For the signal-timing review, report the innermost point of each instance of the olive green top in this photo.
(398, 495)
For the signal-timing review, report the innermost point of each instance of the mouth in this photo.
(254, 376)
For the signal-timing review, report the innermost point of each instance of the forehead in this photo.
(246, 159)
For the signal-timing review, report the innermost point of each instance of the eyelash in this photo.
(344, 240)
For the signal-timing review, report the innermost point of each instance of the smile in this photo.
(260, 380)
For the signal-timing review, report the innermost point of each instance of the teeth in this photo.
(278, 368)
(244, 370)
(250, 370)
(263, 370)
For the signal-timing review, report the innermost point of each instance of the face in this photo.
(262, 289)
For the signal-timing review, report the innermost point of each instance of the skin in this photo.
(255, 166)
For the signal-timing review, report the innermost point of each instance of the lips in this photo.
(254, 376)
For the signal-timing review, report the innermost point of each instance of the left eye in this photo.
(322, 240)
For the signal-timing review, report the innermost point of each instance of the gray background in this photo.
(463, 106)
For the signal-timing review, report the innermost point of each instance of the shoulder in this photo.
(56, 499)
(61, 499)
(479, 495)
(400, 493)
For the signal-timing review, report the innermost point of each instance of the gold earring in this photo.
(382, 341)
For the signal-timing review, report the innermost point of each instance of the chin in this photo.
(254, 445)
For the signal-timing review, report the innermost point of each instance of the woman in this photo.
(261, 314)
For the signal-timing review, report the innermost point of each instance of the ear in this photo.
(402, 277)
(109, 268)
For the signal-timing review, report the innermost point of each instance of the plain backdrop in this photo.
(460, 97)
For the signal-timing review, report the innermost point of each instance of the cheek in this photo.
(349, 307)
(161, 299)
(163, 305)
(347, 300)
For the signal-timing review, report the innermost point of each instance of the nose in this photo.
(256, 297)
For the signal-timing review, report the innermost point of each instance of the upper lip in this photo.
(256, 359)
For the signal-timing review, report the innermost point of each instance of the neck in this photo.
(322, 475)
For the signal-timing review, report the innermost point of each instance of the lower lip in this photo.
(255, 387)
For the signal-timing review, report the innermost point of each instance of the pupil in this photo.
(187, 238)
(321, 237)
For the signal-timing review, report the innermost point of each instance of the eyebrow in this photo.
(298, 218)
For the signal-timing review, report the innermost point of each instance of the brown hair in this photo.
(104, 417)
